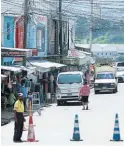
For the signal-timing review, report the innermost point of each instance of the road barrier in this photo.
(76, 132)
(31, 133)
(116, 133)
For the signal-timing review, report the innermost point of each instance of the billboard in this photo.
(37, 34)
(19, 32)
(71, 34)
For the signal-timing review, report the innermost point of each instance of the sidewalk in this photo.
(7, 116)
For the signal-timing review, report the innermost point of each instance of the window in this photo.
(106, 54)
(105, 76)
(110, 54)
(69, 78)
(40, 38)
(8, 31)
(120, 64)
(7, 63)
(39, 35)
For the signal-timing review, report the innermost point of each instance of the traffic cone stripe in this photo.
(76, 132)
(76, 129)
(76, 118)
(116, 124)
(116, 132)
(76, 125)
(116, 129)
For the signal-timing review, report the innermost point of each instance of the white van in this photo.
(69, 84)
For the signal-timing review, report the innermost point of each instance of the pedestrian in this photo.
(84, 94)
(19, 118)
(30, 99)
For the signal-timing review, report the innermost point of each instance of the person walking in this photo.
(19, 118)
(84, 94)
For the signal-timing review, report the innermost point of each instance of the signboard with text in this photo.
(15, 54)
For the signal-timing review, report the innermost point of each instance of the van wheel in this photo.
(96, 92)
(58, 103)
(115, 90)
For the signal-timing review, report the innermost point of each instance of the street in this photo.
(55, 125)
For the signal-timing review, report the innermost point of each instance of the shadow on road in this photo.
(71, 104)
(104, 93)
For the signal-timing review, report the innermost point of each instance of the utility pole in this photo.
(91, 25)
(26, 10)
(60, 30)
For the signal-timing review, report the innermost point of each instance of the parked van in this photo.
(69, 84)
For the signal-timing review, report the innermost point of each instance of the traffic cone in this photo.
(31, 134)
(76, 132)
(116, 133)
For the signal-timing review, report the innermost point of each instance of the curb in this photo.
(5, 121)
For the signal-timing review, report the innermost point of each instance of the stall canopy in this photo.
(3, 76)
(10, 68)
(45, 66)
(19, 69)
(29, 70)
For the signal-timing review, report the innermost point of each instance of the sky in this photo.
(105, 9)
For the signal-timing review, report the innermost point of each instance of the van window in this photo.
(69, 78)
(121, 64)
(105, 76)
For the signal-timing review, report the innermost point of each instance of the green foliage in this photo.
(120, 58)
(104, 31)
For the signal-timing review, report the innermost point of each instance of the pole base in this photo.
(117, 140)
(33, 141)
(76, 140)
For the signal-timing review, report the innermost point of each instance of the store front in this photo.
(46, 77)
(76, 60)
(14, 53)
(14, 75)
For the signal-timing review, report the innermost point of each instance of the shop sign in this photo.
(76, 53)
(73, 53)
(13, 54)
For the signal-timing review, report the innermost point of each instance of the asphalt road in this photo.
(56, 123)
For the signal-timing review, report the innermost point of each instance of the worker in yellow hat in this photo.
(19, 118)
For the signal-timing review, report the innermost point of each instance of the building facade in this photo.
(7, 38)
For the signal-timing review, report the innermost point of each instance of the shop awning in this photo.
(15, 49)
(45, 66)
(29, 70)
(3, 76)
(15, 52)
(10, 68)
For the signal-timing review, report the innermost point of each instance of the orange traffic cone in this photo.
(31, 134)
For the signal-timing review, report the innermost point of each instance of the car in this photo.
(105, 81)
(120, 75)
(120, 71)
